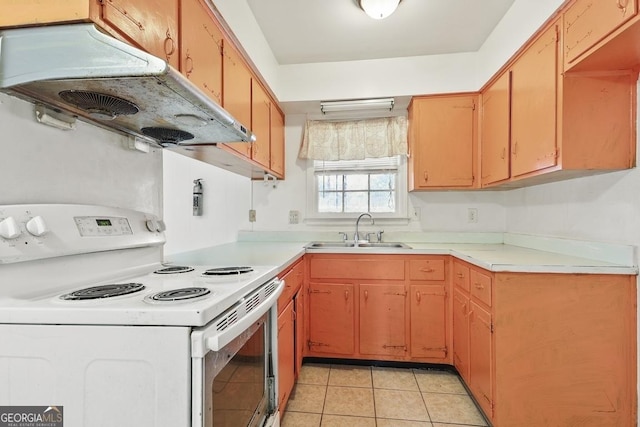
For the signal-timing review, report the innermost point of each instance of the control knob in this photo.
(9, 228)
(36, 226)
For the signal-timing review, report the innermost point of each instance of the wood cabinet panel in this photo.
(481, 286)
(586, 22)
(354, 267)
(461, 333)
(260, 124)
(461, 276)
(442, 139)
(300, 334)
(427, 269)
(286, 354)
(236, 92)
(151, 24)
(428, 321)
(382, 319)
(481, 357)
(293, 280)
(331, 318)
(201, 48)
(534, 86)
(36, 12)
(494, 141)
(277, 142)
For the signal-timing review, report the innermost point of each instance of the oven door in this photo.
(234, 378)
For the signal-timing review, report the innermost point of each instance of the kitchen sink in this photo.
(328, 245)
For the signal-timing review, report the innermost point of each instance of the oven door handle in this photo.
(213, 340)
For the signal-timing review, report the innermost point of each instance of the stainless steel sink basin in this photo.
(328, 245)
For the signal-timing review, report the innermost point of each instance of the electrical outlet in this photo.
(252, 215)
(472, 215)
(294, 217)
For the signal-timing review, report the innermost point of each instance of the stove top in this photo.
(177, 296)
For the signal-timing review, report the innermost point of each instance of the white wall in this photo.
(225, 210)
(89, 165)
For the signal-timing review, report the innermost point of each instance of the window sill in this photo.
(364, 222)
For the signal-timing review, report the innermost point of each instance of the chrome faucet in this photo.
(356, 236)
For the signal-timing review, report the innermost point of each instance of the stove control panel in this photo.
(29, 232)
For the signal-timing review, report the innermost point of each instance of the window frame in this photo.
(312, 214)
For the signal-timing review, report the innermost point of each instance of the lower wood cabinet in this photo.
(379, 307)
(286, 354)
(481, 356)
(461, 333)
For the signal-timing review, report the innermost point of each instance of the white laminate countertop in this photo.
(492, 257)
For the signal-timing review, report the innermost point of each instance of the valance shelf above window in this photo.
(354, 140)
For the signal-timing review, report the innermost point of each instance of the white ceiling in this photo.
(311, 31)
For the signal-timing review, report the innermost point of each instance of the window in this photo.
(346, 188)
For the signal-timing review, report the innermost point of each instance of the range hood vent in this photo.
(85, 72)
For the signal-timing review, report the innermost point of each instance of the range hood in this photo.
(83, 71)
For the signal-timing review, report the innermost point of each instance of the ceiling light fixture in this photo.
(378, 9)
(357, 104)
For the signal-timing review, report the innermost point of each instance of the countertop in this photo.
(496, 257)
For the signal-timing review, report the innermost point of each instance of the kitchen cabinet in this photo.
(286, 354)
(276, 160)
(382, 319)
(561, 125)
(495, 149)
(442, 142)
(461, 332)
(300, 333)
(331, 319)
(481, 358)
(201, 48)
(236, 93)
(587, 22)
(260, 124)
(401, 306)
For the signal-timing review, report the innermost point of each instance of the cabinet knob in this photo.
(460, 275)
(366, 295)
(427, 270)
(478, 285)
(169, 45)
(426, 177)
(346, 295)
(418, 297)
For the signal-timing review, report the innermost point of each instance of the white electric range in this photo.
(92, 323)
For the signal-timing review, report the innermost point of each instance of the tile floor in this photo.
(363, 396)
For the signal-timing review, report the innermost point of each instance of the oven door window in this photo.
(236, 387)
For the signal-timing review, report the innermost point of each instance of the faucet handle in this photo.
(344, 236)
(379, 235)
(370, 234)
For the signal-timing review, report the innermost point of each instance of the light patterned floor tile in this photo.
(314, 374)
(394, 379)
(438, 382)
(453, 408)
(350, 376)
(300, 419)
(383, 422)
(349, 401)
(307, 398)
(344, 421)
(400, 405)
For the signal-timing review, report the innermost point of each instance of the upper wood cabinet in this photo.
(442, 141)
(260, 124)
(495, 150)
(201, 48)
(587, 22)
(236, 92)
(561, 125)
(277, 142)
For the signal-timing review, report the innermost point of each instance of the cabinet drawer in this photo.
(293, 281)
(427, 269)
(461, 276)
(481, 286)
(349, 268)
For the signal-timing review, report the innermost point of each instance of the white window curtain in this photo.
(354, 140)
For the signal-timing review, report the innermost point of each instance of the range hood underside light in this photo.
(357, 105)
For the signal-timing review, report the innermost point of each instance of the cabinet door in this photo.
(286, 354)
(494, 140)
(277, 142)
(260, 124)
(586, 22)
(481, 357)
(331, 318)
(300, 335)
(442, 142)
(534, 78)
(201, 49)
(461, 333)
(428, 321)
(151, 24)
(382, 321)
(236, 93)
